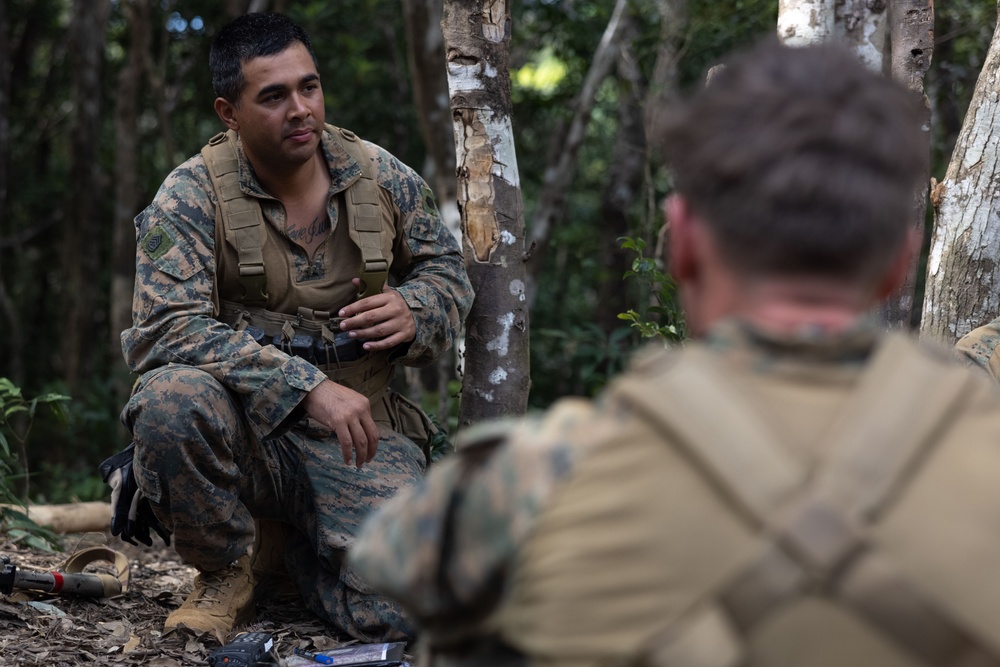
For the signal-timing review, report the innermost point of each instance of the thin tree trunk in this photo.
(624, 179)
(12, 329)
(564, 149)
(912, 41)
(477, 40)
(863, 26)
(802, 22)
(663, 86)
(127, 203)
(83, 232)
(430, 93)
(963, 266)
(428, 71)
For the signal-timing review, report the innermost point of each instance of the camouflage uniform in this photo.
(585, 537)
(978, 348)
(217, 419)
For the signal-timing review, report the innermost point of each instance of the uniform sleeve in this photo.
(444, 548)
(173, 313)
(428, 263)
(978, 348)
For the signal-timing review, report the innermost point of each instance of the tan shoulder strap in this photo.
(364, 216)
(902, 399)
(241, 216)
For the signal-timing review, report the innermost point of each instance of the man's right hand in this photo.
(348, 414)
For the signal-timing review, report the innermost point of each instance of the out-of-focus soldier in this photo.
(793, 487)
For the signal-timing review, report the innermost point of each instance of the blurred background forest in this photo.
(100, 99)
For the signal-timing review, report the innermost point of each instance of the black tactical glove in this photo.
(131, 514)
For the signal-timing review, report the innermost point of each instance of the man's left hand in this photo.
(383, 321)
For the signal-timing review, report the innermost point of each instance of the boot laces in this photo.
(215, 585)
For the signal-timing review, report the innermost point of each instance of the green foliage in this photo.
(663, 318)
(17, 415)
(15, 408)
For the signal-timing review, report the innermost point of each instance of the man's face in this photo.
(280, 115)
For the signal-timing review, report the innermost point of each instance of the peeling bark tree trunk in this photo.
(477, 39)
(127, 203)
(565, 147)
(963, 266)
(912, 42)
(82, 235)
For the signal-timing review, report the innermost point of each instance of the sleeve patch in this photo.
(157, 242)
(427, 197)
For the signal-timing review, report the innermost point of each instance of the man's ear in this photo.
(227, 113)
(681, 252)
(899, 270)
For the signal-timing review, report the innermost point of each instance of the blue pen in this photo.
(315, 657)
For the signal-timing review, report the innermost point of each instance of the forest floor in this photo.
(63, 631)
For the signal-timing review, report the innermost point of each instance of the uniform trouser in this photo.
(207, 477)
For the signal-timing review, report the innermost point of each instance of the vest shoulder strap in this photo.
(242, 217)
(364, 215)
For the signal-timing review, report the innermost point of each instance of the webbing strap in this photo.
(112, 585)
(902, 401)
(241, 215)
(364, 215)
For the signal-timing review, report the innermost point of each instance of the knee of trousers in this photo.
(180, 404)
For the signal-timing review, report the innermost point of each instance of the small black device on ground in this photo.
(246, 650)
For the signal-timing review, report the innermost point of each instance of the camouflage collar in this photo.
(344, 170)
(742, 339)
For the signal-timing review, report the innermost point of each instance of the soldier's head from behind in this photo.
(799, 165)
(245, 38)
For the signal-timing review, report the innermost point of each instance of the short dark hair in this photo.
(801, 161)
(247, 37)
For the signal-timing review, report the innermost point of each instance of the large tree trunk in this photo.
(477, 39)
(963, 266)
(82, 245)
(127, 191)
(565, 147)
(912, 42)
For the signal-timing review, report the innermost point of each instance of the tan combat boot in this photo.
(220, 601)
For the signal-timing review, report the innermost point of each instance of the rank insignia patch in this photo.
(430, 206)
(157, 242)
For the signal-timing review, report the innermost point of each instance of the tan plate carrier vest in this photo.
(243, 228)
(812, 523)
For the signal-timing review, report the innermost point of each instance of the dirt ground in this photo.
(61, 631)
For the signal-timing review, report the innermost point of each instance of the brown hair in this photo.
(801, 161)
